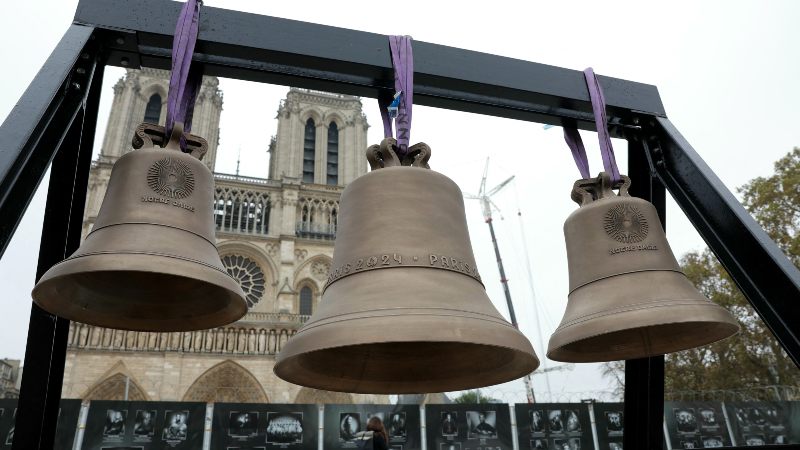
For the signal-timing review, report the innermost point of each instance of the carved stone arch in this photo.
(226, 382)
(309, 395)
(334, 116)
(311, 113)
(310, 270)
(111, 386)
(258, 256)
(147, 89)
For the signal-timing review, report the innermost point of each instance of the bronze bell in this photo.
(404, 309)
(150, 262)
(627, 295)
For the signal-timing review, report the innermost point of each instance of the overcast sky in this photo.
(727, 73)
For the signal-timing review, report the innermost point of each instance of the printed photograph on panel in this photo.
(285, 428)
(615, 446)
(449, 425)
(555, 423)
(780, 439)
(115, 422)
(751, 440)
(713, 442)
(537, 421)
(567, 444)
(573, 422)
(539, 444)
(349, 425)
(685, 420)
(615, 421)
(144, 425)
(481, 425)
(397, 425)
(708, 418)
(378, 414)
(741, 417)
(175, 428)
(689, 443)
(242, 424)
(450, 446)
(773, 416)
(756, 417)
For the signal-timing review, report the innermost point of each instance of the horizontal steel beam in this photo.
(758, 267)
(281, 51)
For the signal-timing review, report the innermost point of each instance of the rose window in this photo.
(248, 274)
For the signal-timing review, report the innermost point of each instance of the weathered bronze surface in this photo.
(404, 310)
(150, 262)
(627, 295)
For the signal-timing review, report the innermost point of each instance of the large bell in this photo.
(150, 262)
(627, 295)
(404, 309)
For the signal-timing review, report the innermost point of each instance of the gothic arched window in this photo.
(308, 151)
(152, 113)
(306, 301)
(333, 154)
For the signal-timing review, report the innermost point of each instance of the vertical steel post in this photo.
(644, 378)
(40, 392)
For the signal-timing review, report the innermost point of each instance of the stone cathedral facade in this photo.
(274, 234)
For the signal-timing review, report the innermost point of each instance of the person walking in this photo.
(380, 439)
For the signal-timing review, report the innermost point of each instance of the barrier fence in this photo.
(140, 425)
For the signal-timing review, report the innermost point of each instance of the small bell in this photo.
(627, 295)
(150, 262)
(404, 309)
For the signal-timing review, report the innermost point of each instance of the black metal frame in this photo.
(54, 122)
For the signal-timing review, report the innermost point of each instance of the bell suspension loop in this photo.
(398, 107)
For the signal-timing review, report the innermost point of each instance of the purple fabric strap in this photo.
(403, 63)
(383, 104)
(575, 144)
(183, 82)
(601, 121)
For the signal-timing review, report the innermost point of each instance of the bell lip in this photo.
(726, 327)
(234, 310)
(286, 365)
(522, 359)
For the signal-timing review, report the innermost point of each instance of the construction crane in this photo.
(487, 205)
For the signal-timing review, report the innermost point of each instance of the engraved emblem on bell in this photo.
(626, 224)
(403, 298)
(171, 177)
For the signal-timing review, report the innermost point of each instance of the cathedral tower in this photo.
(321, 138)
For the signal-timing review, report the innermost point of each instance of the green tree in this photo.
(473, 397)
(752, 360)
